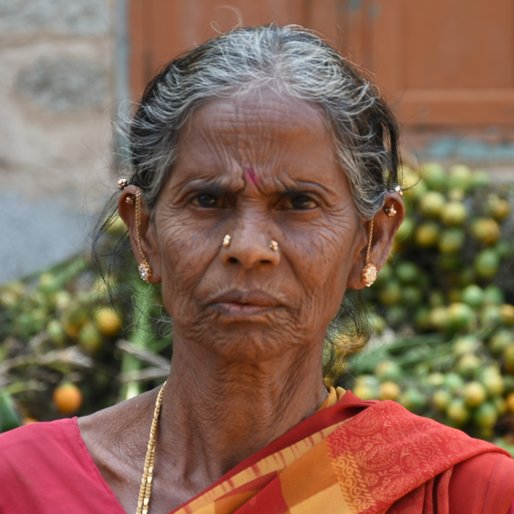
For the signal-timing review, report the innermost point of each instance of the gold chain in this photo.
(370, 240)
(145, 489)
(138, 222)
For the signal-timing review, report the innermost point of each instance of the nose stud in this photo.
(273, 246)
(226, 241)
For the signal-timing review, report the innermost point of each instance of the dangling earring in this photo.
(369, 272)
(144, 269)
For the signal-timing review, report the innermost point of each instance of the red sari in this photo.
(349, 457)
(366, 457)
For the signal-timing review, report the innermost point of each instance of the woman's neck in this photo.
(220, 413)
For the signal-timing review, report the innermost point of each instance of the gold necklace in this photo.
(145, 489)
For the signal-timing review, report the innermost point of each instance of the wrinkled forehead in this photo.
(252, 131)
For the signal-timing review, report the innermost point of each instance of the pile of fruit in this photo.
(72, 341)
(443, 305)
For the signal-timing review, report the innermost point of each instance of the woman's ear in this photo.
(134, 212)
(380, 236)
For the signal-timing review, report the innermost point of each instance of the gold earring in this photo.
(273, 246)
(369, 272)
(144, 269)
(226, 241)
(390, 210)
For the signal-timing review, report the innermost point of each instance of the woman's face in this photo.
(258, 167)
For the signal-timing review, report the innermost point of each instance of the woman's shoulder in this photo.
(38, 436)
(488, 477)
(47, 464)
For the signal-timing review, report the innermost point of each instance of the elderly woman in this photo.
(264, 186)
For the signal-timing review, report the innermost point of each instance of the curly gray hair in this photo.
(290, 60)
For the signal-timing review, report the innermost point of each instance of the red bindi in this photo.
(252, 176)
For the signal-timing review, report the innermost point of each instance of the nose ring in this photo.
(226, 241)
(273, 246)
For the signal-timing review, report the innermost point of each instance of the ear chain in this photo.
(369, 272)
(143, 268)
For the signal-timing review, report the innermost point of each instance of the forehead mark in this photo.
(251, 175)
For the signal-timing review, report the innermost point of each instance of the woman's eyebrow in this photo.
(215, 184)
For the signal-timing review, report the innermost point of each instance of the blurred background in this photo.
(442, 309)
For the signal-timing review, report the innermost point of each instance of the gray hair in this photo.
(291, 61)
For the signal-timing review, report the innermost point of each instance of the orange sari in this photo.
(365, 457)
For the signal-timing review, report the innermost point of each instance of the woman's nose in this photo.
(249, 246)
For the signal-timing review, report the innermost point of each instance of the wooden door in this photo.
(441, 63)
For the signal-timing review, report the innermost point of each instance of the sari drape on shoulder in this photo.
(361, 457)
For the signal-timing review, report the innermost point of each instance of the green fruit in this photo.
(485, 416)
(396, 315)
(460, 316)
(500, 340)
(466, 344)
(508, 358)
(413, 400)
(422, 318)
(493, 383)
(486, 231)
(487, 263)
(468, 365)
(441, 399)
(490, 315)
(90, 339)
(493, 295)
(457, 412)
(451, 240)
(474, 393)
(480, 179)
(454, 213)
(56, 332)
(497, 207)
(434, 176)
(472, 295)
(390, 293)
(435, 379)
(460, 177)
(411, 296)
(431, 205)
(507, 314)
(453, 382)
(388, 370)
(438, 317)
(427, 234)
(407, 272)
(500, 405)
(389, 390)
(48, 283)
(366, 390)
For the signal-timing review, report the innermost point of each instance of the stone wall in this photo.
(57, 91)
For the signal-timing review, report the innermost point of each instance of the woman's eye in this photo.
(207, 200)
(300, 202)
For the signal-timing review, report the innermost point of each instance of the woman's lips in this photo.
(238, 303)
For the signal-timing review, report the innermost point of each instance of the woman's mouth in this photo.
(242, 304)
